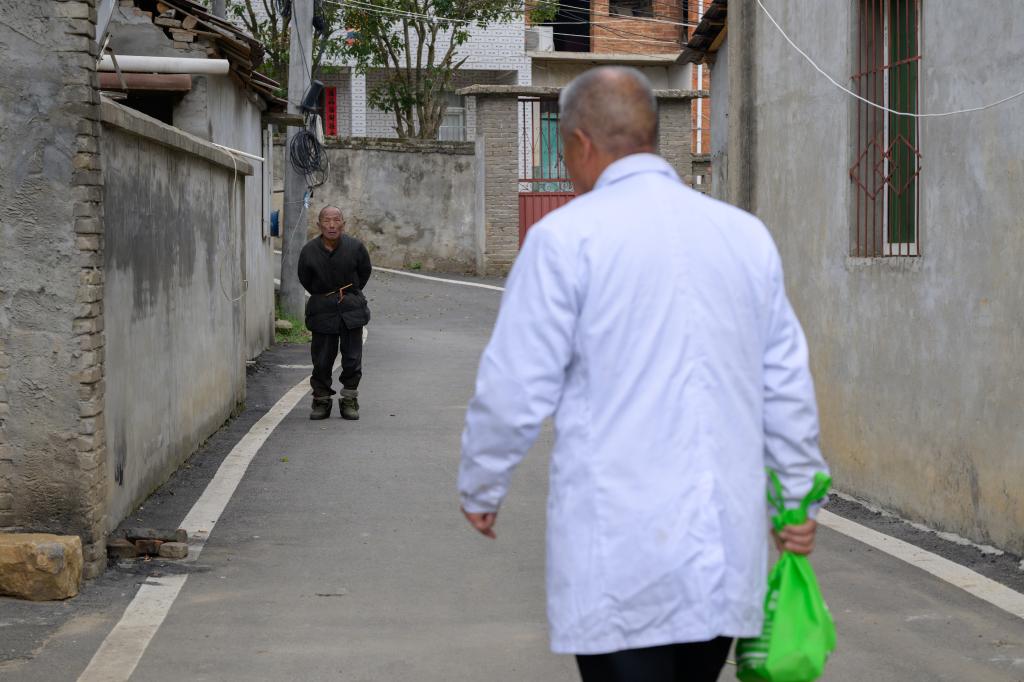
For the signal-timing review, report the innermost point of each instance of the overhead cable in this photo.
(867, 101)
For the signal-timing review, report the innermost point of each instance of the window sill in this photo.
(891, 263)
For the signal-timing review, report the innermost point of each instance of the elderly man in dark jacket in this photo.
(334, 269)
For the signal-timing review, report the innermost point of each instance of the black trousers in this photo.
(692, 662)
(325, 348)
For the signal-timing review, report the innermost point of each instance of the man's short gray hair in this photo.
(328, 207)
(615, 106)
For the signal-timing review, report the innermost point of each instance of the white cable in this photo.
(867, 101)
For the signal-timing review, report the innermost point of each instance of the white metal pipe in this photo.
(700, 86)
(140, 64)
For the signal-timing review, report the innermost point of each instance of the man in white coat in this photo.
(652, 322)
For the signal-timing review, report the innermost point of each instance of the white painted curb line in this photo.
(951, 572)
(121, 651)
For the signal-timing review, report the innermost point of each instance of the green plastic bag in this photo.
(798, 632)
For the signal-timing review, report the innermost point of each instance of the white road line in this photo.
(441, 279)
(121, 651)
(951, 572)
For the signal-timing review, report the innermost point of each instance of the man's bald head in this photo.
(615, 106)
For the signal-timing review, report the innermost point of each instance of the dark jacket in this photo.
(323, 272)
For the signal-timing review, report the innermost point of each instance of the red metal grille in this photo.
(887, 164)
(544, 182)
(331, 111)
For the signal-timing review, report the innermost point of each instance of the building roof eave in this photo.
(707, 38)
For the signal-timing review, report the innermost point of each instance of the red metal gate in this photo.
(544, 182)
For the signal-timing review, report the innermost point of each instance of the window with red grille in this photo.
(887, 161)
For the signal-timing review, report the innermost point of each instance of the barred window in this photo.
(887, 161)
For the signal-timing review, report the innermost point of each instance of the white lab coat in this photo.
(653, 323)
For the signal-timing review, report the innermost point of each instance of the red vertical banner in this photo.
(331, 112)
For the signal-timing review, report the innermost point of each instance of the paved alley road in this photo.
(342, 554)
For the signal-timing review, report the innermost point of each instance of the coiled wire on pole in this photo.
(308, 156)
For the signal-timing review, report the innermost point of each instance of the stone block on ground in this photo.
(174, 550)
(283, 325)
(148, 547)
(119, 548)
(163, 535)
(40, 566)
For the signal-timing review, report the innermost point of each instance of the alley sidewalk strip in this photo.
(123, 648)
(951, 572)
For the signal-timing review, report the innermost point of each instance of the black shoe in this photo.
(321, 408)
(349, 405)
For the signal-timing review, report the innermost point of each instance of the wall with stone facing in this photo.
(52, 440)
(174, 296)
(409, 202)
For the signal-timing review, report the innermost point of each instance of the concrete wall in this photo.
(174, 295)
(917, 360)
(51, 273)
(719, 73)
(408, 202)
(218, 109)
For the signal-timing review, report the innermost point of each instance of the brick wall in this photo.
(618, 35)
(674, 134)
(52, 439)
(499, 138)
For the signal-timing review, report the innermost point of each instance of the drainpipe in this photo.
(700, 86)
(139, 64)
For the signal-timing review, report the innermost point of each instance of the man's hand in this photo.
(796, 539)
(482, 522)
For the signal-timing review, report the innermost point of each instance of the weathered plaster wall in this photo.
(218, 109)
(408, 202)
(174, 298)
(51, 275)
(720, 120)
(917, 361)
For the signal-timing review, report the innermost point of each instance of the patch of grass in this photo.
(416, 265)
(297, 334)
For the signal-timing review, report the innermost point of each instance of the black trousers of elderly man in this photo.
(334, 269)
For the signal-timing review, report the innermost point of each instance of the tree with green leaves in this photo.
(415, 44)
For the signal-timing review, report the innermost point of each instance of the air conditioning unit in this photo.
(540, 39)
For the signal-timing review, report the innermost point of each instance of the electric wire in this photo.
(867, 101)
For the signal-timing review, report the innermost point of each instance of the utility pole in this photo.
(293, 226)
(219, 9)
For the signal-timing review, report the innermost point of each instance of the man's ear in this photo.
(585, 143)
